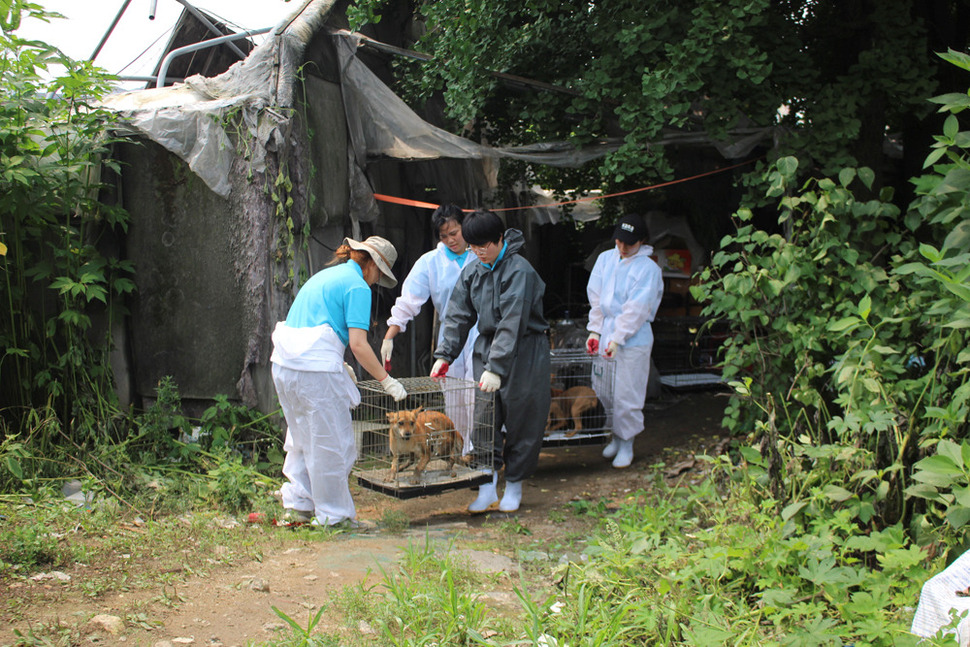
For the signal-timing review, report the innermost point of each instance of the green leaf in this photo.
(865, 307)
(837, 493)
(961, 495)
(15, 468)
(951, 127)
(957, 58)
(930, 253)
(937, 465)
(958, 516)
(846, 176)
(957, 180)
(951, 451)
(952, 99)
(788, 166)
(934, 157)
(884, 350)
(752, 455)
(846, 323)
(923, 491)
(792, 509)
(958, 238)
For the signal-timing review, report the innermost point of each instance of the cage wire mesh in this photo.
(441, 437)
(687, 351)
(580, 411)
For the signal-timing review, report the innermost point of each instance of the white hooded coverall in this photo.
(316, 395)
(434, 276)
(624, 295)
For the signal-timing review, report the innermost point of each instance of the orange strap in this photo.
(428, 205)
(404, 201)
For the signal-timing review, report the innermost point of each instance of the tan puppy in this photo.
(570, 405)
(421, 435)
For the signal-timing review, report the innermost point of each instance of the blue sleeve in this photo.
(357, 307)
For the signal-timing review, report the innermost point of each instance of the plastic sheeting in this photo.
(188, 118)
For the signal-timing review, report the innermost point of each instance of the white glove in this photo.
(387, 347)
(489, 382)
(350, 372)
(611, 349)
(440, 368)
(393, 388)
(593, 343)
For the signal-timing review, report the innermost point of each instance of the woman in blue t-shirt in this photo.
(316, 389)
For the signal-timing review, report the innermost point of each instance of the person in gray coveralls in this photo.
(503, 293)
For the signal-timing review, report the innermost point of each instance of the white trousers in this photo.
(631, 372)
(939, 602)
(460, 397)
(320, 448)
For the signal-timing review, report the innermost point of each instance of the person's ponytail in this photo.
(346, 252)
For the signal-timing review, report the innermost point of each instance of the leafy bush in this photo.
(848, 353)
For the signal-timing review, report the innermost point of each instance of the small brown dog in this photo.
(422, 435)
(568, 405)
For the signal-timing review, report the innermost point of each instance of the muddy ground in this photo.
(232, 604)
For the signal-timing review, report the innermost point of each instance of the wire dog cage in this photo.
(439, 438)
(581, 411)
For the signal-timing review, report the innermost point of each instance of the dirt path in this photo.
(232, 605)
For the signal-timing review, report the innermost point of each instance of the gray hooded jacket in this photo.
(506, 300)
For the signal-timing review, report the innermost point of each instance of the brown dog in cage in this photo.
(416, 434)
(568, 405)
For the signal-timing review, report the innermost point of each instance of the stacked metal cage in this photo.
(439, 438)
(686, 352)
(581, 411)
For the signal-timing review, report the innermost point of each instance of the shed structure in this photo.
(241, 185)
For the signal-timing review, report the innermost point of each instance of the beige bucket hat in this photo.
(383, 253)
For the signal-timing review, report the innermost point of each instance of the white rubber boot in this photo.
(610, 450)
(486, 496)
(512, 497)
(624, 454)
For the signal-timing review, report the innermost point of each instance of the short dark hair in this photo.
(482, 227)
(443, 214)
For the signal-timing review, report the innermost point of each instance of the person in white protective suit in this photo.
(434, 276)
(624, 291)
(503, 293)
(317, 390)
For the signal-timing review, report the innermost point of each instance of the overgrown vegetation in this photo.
(60, 291)
(850, 344)
(849, 359)
(63, 287)
(707, 564)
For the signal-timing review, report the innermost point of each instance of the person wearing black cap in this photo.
(624, 291)
(317, 389)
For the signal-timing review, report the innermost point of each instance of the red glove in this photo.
(592, 343)
(611, 349)
(439, 369)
